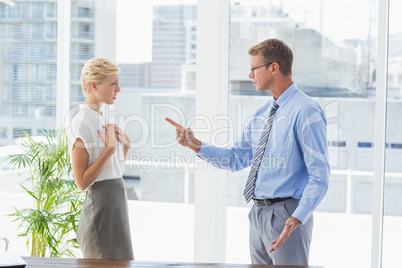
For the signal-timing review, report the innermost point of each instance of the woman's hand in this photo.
(121, 137)
(110, 138)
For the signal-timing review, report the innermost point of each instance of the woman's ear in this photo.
(93, 86)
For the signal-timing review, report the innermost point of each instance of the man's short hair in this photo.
(274, 50)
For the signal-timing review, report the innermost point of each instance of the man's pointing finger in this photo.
(174, 123)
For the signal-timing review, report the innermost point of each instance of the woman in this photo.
(98, 151)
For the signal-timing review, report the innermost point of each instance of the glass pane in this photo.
(83, 40)
(393, 177)
(335, 64)
(156, 52)
(27, 98)
(155, 49)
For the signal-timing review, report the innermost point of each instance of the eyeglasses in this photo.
(252, 69)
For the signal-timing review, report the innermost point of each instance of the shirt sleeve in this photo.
(80, 130)
(236, 158)
(311, 134)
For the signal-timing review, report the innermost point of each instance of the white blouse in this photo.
(85, 125)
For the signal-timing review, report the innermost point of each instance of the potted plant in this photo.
(57, 200)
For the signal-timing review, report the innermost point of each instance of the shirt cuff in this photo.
(204, 150)
(302, 213)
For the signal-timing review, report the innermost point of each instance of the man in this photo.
(285, 145)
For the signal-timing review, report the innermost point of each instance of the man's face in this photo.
(261, 77)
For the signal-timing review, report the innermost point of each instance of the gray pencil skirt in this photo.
(104, 230)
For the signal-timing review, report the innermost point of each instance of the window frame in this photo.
(212, 50)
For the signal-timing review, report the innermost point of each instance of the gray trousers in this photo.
(104, 230)
(267, 223)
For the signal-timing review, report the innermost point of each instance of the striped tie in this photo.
(249, 189)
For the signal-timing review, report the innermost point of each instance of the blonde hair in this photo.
(96, 70)
(274, 50)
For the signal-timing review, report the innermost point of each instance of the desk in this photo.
(33, 262)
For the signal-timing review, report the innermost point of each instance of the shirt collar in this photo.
(286, 95)
(92, 113)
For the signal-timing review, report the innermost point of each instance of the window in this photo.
(365, 144)
(19, 50)
(37, 10)
(392, 217)
(37, 31)
(50, 111)
(51, 72)
(84, 12)
(396, 145)
(51, 10)
(84, 31)
(19, 132)
(51, 30)
(153, 75)
(25, 76)
(51, 51)
(36, 72)
(13, 13)
(37, 93)
(85, 51)
(337, 143)
(3, 133)
(17, 72)
(20, 31)
(18, 93)
(37, 51)
(333, 63)
(50, 92)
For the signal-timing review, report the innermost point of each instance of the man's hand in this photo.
(290, 225)
(185, 136)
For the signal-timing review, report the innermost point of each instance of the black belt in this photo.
(268, 202)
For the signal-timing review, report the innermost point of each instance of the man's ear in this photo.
(275, 68)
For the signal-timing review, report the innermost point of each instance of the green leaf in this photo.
(57, 200)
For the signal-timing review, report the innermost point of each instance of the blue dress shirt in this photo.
(295, 162)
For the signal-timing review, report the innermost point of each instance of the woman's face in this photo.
(106, 91)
